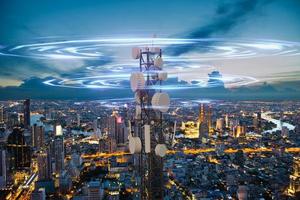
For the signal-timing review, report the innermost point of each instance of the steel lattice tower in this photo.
(150, 162)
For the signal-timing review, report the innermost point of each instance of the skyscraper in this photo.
(19, 152)
(2, 169)
(59, 153)
(38, 137)
(44, 172)
(204, 121)
(26, 113)
(1, 114)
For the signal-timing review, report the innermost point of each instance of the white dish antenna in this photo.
(161, 150)
(161, 102)
(135, 145)
(137, 81)
(158, 62)
(136, 53)
(162, 76)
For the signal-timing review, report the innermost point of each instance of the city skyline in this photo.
(150, 100)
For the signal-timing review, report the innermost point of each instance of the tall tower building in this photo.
(294, 186)
(1, 114)
(59, 154)
(44, 171)
(204, 121)
(201, 114)
(38, 137)
(2, 169)
(19, 153)
(26, 113)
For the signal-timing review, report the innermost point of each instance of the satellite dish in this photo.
(158, 62)
(137, 81)
(161, 150)
(136, 53)
(135, 145)
(162, 76)
(161, 102)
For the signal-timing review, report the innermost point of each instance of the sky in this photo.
(86, 45)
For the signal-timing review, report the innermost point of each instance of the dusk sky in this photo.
(87, 44)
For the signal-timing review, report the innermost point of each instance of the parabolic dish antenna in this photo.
(135, 145)
(158, 62)
(162, 76)
(136, 53)
(161, 150)
(161, 102)
(137, 81)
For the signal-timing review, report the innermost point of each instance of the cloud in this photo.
(227, 16)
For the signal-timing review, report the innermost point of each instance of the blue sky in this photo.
(271, 25)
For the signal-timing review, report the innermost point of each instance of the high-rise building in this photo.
(19, 153)
(78, 119)
(1, 114)
(257, 122)
(58, 130)
(59, 154)
(294, 186)
(204, 122)
(38, 136)
(239, 131)
(220, 124)
(44, 171)
(226, 121)
(26, 113)
(2, 169)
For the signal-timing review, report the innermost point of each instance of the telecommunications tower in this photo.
(146, 139)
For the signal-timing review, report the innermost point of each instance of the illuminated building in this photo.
(44, 171)
(59, 154)
(190, 129)
(26, 113)
(226, 121)
(239, 131)
(38, 194)
(2, 169)
(201, 114)
(38, 136)
(257, 122)
(204, 120)
(78, 119)
(294, 186)
(203, 130)
(220, 124)
(19, 152)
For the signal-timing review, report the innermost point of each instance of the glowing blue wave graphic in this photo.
(117, 65)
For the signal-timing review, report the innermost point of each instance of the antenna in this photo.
(147, 143)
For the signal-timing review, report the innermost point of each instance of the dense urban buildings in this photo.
(242, 150)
